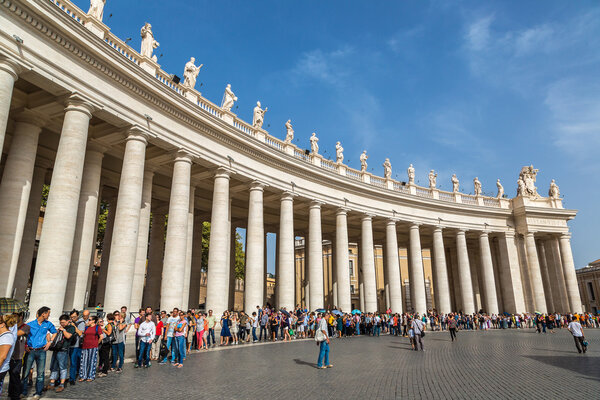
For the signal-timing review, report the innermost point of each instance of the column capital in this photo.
(415, 225)
(10, 66)
(342, 211)
(391, 221)
(461, 231)
(182, 155)
(257, 185)
(437, 228)
(77, 102)
(530, 233)
(31, 117)
(223, 172)
(287, 195)
(565, 236)
(316, 204)
(483, 234)
(509, 234)
(367, 216)
(136, 132)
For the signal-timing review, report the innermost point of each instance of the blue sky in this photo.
(472, 88)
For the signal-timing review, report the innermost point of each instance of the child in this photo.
(411, 336)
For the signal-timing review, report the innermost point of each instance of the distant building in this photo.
(588, 280)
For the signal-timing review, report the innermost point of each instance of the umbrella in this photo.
(507, 314)
(9, 306)
(337, 312)
(354, 312)
(285, 312)
(321, 310)
(538, 313)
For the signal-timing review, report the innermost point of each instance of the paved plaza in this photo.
(479, 365)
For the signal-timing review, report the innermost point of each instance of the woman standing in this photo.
(191, 333)
(89, 350)
(225, 334)
(118, 347)
(235, 328)
(180, 335)
(8, 339)
(274, 323)
(106, 344)
(200, 331)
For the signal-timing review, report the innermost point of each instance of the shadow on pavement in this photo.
(301, 362)
(581, 364)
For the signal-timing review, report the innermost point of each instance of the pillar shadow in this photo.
(581, 364)
(301, 362)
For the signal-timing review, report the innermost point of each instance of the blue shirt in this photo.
(37, 334)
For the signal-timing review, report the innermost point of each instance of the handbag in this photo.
(57, 342)
(110, 339)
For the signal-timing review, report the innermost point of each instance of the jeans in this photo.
(144, 353)
(263, 328)
(137, 347)
(170, 346)
(15, 387)
(376, 330)
(452, 333)
(75, 357)
(579, 344)
(39, 357)
(323, 353)
(58, 365)
(254, 334)
(180, 342)
(418, 342)
(118, 351)
(358, 329)
(211, 333)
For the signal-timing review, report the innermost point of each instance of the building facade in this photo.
(588, 279)
(111, 125)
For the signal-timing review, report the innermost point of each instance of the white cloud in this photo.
(478, 33)
(324, 66)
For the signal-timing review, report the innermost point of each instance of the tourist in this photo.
(577, 332)
(322, 338)
(254, 322)
(212, 321)
(146, 332)
(274, 325)
(89, 350)
(15, 386)
(136, 324)
(38, 344)
(156, 342)
(180, 334)
(118, 347)
(419, 330)
(264, 319)
(170, 329)
(108, 339)
(452, 327)
(60, 353)
(225, 333)
(8, 338)
(191, 332)
(75, 348)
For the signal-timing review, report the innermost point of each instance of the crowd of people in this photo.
(85, 347)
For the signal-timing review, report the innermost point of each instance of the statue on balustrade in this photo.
(339, 153)
(500, 189)
(289, 136)
(228, 98)
(190, 73)
(387, 169)
(148, 42)
(314, 145)
(554, 191)
(432, 179)
(477, 186)
(97, 9)
(455, 183)
(259, 116)
(411, 174)
(363, 161)
(526, 182)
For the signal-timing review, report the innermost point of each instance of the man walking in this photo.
(41, 335)
(418, 328)
(322, 339)
(577, 332)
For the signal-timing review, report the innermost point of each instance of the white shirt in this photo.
(145, 329)
(575, 328)
(8, 338)
(417, 326)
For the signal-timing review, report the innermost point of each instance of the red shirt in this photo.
(90, 337)
(159, 328)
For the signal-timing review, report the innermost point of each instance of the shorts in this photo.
(300, 328)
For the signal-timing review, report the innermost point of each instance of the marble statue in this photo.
(339, 153)
(387, 169)
(259, 116)
(477, 186)
(97, 9)
(527, 182)
(314, 146)
(228, 98)
(190, 73)
(289, 136)
(432, 179)
(411, 174)
(500, 189)
(455, 183)
(363, 161)
(553, 192)
(148, 42)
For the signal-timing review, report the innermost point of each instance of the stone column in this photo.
(315, 257)
(535, 273)
(123, 247)
(368, 264)
(105, 257)
(8, 75)
(217, 281)
(254, 284)
(14, 193)
(285, 271)
(487, 271)
(557, 279)
(84, 243)
(231, 264)
(188, 252)
(29, 234)
(464, 273)
(342, 261)
(442, 286)
(141, 255)
(569, 272)
(512, 287)
(60, 218)
(546, 277)
(155, 261)
(417, 276)
(177, 230)
(196, 272)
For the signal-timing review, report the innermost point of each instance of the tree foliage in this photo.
(240, 256)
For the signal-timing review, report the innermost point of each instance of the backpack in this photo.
(112, 338)
(58, 342)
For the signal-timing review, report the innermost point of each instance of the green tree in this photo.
(240, 256)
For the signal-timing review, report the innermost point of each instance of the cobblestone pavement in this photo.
(479, 365)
